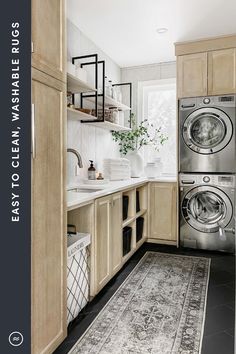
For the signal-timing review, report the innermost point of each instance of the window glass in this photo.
(159, 107)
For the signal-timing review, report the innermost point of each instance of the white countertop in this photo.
(77, 199)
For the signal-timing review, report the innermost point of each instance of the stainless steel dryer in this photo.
(207, 212)
(207, 134)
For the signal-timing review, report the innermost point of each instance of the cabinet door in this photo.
(192, 75)
(163, 209)
(222, 72)
(48, 37)
(102, 241)
(48, 214)
(116, 233)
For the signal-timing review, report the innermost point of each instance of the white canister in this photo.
(81, 73)
(115, 116)
(151, 171)
(159, 165)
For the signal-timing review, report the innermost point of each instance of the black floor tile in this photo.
(219, 318)
(220, 277)
(220, 295)
(220, 343)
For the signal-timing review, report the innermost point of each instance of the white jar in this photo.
(159, 165)
(115, 116)
(151, 171)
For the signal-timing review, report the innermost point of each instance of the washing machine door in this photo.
(207, 208)
(207, 130)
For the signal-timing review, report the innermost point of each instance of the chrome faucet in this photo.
(80, 163)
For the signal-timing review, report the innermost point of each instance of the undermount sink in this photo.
(84, 190)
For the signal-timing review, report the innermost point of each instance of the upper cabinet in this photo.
(192, 75)
(48, 37)
(222, 71)
(206, 67)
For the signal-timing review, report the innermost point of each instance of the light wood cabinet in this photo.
(222, 71)
(116, 233)
(163, 212)
(48, 214)
(107, 238)
(206, 67)
(102, 241)
(48, 37)
(192, 75)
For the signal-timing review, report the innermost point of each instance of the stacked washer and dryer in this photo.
(207, 168)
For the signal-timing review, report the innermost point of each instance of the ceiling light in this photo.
(161, 30)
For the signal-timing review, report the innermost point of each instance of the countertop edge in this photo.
(115, 189)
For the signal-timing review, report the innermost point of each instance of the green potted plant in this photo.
(130, 142)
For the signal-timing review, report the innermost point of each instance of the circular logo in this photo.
(16, 339)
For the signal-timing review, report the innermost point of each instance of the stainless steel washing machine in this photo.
(207, 134)
(207, 204)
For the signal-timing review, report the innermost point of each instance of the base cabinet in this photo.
(163, 212)
(108, 258)
(48, 214)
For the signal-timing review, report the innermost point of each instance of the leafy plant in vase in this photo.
(130, 142)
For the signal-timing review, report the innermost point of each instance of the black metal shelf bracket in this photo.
(130, 98)
(95, 63)
(84, 95)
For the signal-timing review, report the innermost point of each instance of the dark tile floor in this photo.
(220, 313)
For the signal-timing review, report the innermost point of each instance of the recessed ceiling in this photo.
(126, 30)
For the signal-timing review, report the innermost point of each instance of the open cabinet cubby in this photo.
(128, 207)
(135, 217)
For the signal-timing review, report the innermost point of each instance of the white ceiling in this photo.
(126, 29)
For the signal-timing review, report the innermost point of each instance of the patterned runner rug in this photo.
(159, 309)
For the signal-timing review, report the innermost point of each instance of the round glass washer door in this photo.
(207, 208)
(207, 130)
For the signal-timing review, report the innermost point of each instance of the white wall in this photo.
(92, 143)
(142, 73)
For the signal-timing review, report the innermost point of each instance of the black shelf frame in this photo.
(130, 98)
(84, 95)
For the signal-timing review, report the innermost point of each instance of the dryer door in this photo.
(207, 130)
(207, 208)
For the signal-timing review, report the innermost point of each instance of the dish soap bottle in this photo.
(91, 171)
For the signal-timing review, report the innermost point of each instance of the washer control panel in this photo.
(206, 179)
(206, 100)
(214, 180)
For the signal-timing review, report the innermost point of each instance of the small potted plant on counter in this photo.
(130, 142)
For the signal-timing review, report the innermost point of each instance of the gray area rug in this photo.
(159, 309)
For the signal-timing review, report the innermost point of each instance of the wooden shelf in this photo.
(128, 255)
(74, 114)
(141, 212)
(76, 85)
(109, 126)
(128, 221)
(110, 103)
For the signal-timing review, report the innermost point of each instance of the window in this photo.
(157, 101)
